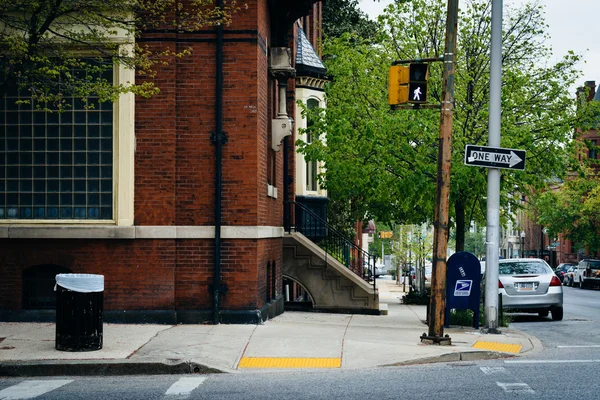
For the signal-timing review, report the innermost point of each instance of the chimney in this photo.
(591, 90)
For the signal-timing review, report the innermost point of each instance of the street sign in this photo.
(494, 157)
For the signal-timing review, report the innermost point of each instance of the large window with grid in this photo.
(56, 166)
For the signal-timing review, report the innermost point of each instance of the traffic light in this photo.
(386, 234)
(398, 85)
(417, 86)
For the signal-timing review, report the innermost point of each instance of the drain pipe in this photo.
(218, 139)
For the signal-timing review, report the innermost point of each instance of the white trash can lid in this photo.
(83, 283)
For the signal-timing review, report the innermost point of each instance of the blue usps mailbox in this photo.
(463, 290)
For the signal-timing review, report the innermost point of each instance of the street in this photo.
(565, 368)
(497, 379)
(576, 337)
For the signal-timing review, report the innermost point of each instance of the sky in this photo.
(572, 25)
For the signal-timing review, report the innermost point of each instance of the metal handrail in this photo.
(333, 242)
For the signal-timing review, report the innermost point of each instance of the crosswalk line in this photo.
(31, 389)
(516, 387)
(185, 386)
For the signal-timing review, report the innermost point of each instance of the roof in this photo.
(307, 60)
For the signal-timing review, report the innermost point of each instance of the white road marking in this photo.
(580, 347)
(184, 386)
(515, 387)
(549, 361)
(31, 389)
(493, 370)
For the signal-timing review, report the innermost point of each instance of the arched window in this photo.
(38, 286)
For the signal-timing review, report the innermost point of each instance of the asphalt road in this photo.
(497, 379)
(577, 336)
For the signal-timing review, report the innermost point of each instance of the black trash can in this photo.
(79, 308)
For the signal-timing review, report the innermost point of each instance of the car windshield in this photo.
(595, 264)
(522, 267)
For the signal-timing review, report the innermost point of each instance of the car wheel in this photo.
(557, 314)
(543, 313)
(570, 283)
(581, 285)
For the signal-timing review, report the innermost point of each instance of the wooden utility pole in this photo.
(440, 239)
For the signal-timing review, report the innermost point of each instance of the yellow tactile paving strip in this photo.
(285, 362)
(495, 346)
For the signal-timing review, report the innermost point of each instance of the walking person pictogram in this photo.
(417, 93)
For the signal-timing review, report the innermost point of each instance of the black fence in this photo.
(333, 242)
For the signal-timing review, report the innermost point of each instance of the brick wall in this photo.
(138, 275)
(175, 184)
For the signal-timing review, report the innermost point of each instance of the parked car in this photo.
(561, 269)
(380, 269)
(428, 270)
(568, 277)
(587, 273)
(529, 285)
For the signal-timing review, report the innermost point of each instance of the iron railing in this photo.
(333, 242)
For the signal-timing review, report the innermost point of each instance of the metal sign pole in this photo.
(493, 191)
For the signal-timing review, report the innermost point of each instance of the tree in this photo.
(57, 48)
(384, 162)
(573, 210)
(475, 243)
(344, 16)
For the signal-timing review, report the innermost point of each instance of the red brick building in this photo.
(164, 195)
(567, 250)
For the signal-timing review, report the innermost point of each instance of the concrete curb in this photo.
(95, 368)
(454, 357)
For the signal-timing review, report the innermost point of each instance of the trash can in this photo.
(79, 308)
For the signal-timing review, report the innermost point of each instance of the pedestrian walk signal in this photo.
(386, 234)
(417, 85)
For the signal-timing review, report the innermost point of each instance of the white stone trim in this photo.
(271, 191)
(303, 95)
(124, 145)
(137, 232)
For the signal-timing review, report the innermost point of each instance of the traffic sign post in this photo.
(494, 157)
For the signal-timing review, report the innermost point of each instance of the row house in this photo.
(178, 200)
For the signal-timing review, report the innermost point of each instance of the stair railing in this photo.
(333, 242)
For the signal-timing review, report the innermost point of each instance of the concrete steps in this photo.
(331, 285)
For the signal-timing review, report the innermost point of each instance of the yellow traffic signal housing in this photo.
(417, 86)
(386, 234)
(398, 84)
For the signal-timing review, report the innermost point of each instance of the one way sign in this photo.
(494, 157)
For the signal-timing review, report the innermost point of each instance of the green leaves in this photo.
(384, 162)
(573, 209)
(43, 41)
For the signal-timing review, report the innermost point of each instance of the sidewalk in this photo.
(291, 340)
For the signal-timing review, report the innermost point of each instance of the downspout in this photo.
(287, 179)
(219, 139)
